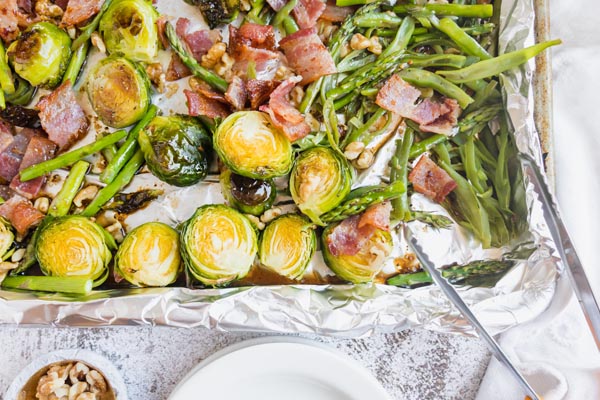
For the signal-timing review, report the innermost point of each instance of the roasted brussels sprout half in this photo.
(249, 195)
(319, 181)
(149, 255)
(251, 146)
(128, 28)
(217, 12)
(287, 245)
(176, 149)
(119, 91)
(362, 266)
(74, 246)
(41, 54)
(7, 239)
(218, 245)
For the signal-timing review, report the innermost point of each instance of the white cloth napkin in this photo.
(556, 352)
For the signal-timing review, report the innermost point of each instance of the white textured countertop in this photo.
(414, 364)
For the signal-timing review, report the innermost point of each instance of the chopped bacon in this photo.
(445, 122)
(252, 35)
(198, 104)
(62, 117)
(161, 23)
(198, 42)
(6, 135)
(236, 93)
(398, 96)
(177, 69)
(377, 216)
(11, 157)
(20, 213)
(307, 55)
(79, 11)
(335, 13)
(199, 86)
(277, 4)
(259, 91)
(431, 180)
(307, 12)
(253, 43)
(39, 149)
(10, 16)
(283, 114)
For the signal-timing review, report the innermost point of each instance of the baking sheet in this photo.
(348, 310)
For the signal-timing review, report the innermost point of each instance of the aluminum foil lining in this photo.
(343, 310)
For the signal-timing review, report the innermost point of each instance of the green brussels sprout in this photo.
(319, 181)
(41, 54)
(7, 239)
(251, 146)
(74, 246)
(287, 245)
(149, 255)
(119, 91)
(176, 149)
(128, 28)
(249, 195)
(364, 265)
(218, 245)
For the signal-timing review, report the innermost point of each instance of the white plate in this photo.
(279, 369)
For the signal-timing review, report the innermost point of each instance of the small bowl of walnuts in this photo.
(68, 375)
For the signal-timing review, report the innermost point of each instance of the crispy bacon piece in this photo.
(236, 93)
(445, 121)
(12, 155)
(79, 11)
(39, 149)
(11, 18)
(161, 23)
(198, 42)
(377, 216)
(6, 135)
(198, 104)
(335, 13)
(307, 55)
(177, 69)
(62, 117)
(398, 96)
(199, 86)
(21, 214)
(307, 12)
(259, 91)
(252, 35)
(254, 43)
(283, 114)
(431, 180)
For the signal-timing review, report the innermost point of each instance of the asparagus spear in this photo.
(6, 79)
(450, 10)
(86, 31)
(76, 63)
(62, 202)
(424, 78)
(399, 173)
(58, 284)
(436, 221)
(464, 42)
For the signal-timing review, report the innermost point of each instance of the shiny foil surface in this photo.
(340, 310)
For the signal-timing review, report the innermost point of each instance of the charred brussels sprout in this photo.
(287, 245)
(128, 29)
(249, 195)
(319, 181)
(41, 54)
(251, 146)
(218, 245)
(362, 266)
(175, 149)
(217, 12)
(7, 239)
(149, 255)
(74, 246)
(119, 91)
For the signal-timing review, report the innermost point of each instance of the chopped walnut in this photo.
(407, 263)
(375, 46)
(157, 76)
(359, 42)
(296, 96)
(223, 67)
(256, 221)
(270, 214)
(45, 9)
(283, 72)
(71, 382)
(96, 381)
(98, 43)
(353, 150)
(214, 55)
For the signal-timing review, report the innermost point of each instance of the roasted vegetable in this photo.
(74, 246)
(249, 144)
(176, 149)
(7, 239)
(287, 245)
(149, 255)
(128, 28)
(23, 93)
(362, 266)
(41, 54)
(217, 12)
(249, 195)
(218, 245)
(119, 91)
(320, 180)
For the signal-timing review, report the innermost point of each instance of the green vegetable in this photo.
(59, 284)
(41, 54)
(7, 238)
(451, 10)
(249, 195)
(86, 31)
(287, 245)
(217, 12)
(320, 180)
(128, 28)
(119, 91)
(7, 84)
(149, 255)
(494, 66)
(218, 245)
(176, 149)
(23, 93)
(249, 144)
(363, 266)
(74, 246)
(399, 173)
(424, 78)
(61, 204)
(465, 42)
(76, 63)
